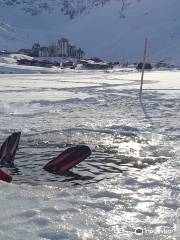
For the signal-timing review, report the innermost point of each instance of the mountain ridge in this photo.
(70, 8)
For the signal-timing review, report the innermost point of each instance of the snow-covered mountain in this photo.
(110, 29)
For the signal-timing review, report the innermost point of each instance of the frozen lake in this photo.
(130, 182)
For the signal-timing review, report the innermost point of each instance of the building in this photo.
(72, 50)
(147, 66)
(43, 52)
(52, 50)
(3, 53)
(80, 54)
(35, 50)
(63, 47)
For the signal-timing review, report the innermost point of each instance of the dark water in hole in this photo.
(102, 164)
(105, 162)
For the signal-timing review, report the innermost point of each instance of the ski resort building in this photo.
(62, 49)
(43, 52)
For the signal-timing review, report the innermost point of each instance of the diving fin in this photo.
(8, 149)
(68, 159)
(5, 176)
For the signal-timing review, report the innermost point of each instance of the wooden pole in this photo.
(143, 67)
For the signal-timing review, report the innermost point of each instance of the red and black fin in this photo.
(68, 159)
(5, 176)
(9, 148)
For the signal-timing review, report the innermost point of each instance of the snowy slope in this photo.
(112, 29)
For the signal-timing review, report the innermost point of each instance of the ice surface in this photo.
(129, 184)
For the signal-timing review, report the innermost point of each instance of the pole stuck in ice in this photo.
(143, 67)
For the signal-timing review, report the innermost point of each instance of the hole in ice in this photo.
(111, 155)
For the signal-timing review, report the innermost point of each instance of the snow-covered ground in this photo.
(130, 182)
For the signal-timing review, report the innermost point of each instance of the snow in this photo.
(130, 182)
